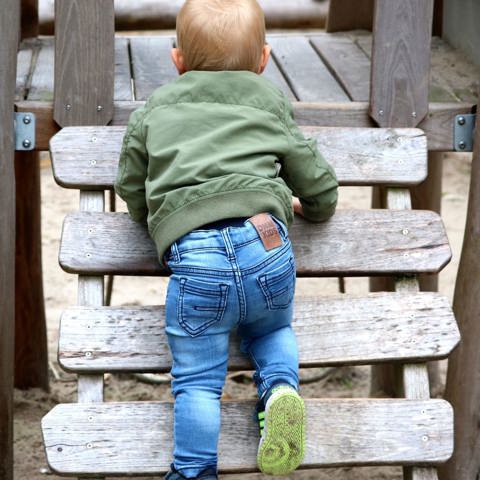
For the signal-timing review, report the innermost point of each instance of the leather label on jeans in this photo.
(267, 230)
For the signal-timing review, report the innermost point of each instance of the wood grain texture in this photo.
(330, 331)
(136, 438)
(274, 74)
(123, 89)
(84, 62)
(152, 64)
(307, 75)
(437, 125)
(463, 387)
(9, 38)
(347, 61)
(41, 87)
(87, 157)
(24, 68)
(90, 294)
(400, 62)
(351, 243)
(344, 15)
(31, 351)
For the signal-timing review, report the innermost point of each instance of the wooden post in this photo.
(463, 385)
(29, 18)
(31, 350)
(398, 95)
(9, 36)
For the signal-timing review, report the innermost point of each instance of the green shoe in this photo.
(283, 432)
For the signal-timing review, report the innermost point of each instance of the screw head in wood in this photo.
(414, 114)
(99, 108)
(68, 107)
(88, 354)
(380, 112)
(27, 119)
(462, 145)
(27, 143)
(461, 120)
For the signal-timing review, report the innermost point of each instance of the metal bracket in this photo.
(24, 131)
(463, 132)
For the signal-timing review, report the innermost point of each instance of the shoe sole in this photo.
(282, 446)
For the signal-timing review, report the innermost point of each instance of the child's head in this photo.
(221, 35)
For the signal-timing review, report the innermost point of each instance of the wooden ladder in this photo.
(406, 327)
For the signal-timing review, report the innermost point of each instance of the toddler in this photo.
(210, 163)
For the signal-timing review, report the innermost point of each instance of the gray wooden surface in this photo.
(126, 438)
(330, 331)
(84, 62)
(87, 157)
(351, 243)
(400, 62)
(9, 37)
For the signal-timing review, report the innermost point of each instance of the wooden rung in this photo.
(337, 330)
(87, 157)
(358, 242)
(136, 438)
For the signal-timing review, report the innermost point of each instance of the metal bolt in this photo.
(99, 108)
(88, 354)
(461, 121)
(27, 119)
(94, 139)
(89, 445)
(68, 107)
(59, 449)
(405, 231)
(90, 418)
(93, 162)
(462, 145)
(380, 112)
(425, 438)
(27, 143)
(414, 114)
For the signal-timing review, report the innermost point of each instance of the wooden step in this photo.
(136, 438)
(351, 243)
(337, 330)
(87, 157)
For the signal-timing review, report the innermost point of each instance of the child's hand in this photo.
(297, 206)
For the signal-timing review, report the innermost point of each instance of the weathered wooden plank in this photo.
(463, 387)
(356, 242)
(307, 75)
(274, 74)
(330, 331)
(123, 82)
(41, 88)
(400, 62)
(343, 15)
(152, 64)
(24, 68)
(90, 294)
(127, 438)
(437, 125)
(87, 157)
(84, 62)
(348, 62)
(9, 37)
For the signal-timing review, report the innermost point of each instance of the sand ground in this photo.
(60, 292)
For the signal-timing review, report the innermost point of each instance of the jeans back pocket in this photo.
(278, 285)
(200, 304)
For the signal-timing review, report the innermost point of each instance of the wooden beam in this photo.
(30, 26)
(437, 125)
(84, 62)
(463, 386)
(348, 15)
(9, 36)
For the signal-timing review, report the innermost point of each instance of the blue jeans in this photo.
(221, 279)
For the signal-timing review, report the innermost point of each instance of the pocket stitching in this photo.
(264, 285)
(222, 303)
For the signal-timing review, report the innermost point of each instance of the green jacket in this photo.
(217, 145)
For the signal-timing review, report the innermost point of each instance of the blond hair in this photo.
(221, 34)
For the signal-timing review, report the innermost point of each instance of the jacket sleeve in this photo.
(308, 174)
(132, 168)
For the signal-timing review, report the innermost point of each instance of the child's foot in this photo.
(207, 474)
(283, 432)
